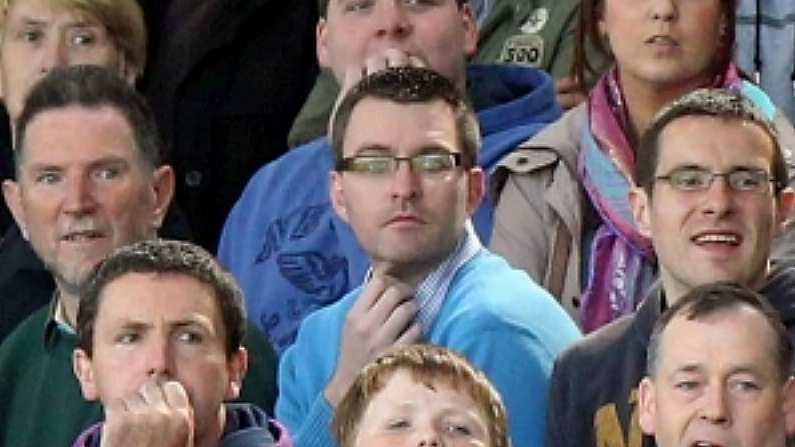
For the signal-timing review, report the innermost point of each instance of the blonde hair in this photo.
(429, 365)
(123, 19)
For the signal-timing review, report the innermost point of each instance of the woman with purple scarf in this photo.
(563, 214)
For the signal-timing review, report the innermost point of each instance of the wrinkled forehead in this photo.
(87, 10)
(104, 130)
(732, 339)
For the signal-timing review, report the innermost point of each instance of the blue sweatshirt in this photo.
(292, 254)
(494, 315)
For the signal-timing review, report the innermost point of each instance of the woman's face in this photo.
(664, 43)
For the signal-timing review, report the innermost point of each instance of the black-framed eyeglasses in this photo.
(691, 178)
(420, 164)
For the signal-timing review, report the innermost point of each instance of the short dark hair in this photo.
(429, 365)
(714, 102)
(322, 6)
(710, 299)
(162, 256)
(408, 85)
(92, 87)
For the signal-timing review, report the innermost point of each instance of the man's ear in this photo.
(12, 196)
(84, 371)
(785, 203)
(238, 365)
(640, 202)
(128, 71)
(477, 189)
(337, 196)
(321, 43)
(162, 193)
(470, 26)
(646, 406)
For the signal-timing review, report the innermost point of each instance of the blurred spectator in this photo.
(533, 33)
(766, 48)
(225, 80)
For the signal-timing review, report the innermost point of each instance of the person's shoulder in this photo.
(31, 329)
(286, 179)
(557, 141)
(600, 346)
(296, 164)
(490, 272)
(491, 293)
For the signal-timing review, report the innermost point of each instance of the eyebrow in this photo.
(112, 160)
(689, 368)
(742, 368)
(380, 149)
(129, 324)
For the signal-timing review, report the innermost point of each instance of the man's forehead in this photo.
(100, 115)
(35, 9)
(98, 131)
(179, 288)
(377, 122)
(689, 340)
(693, 137)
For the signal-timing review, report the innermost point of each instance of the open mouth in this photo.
(82, 236)
(730, 239)
(663, 40)
(704, 444)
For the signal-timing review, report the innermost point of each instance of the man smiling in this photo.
(711, 196)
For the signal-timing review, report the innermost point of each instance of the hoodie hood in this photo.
(513, 103)
(246, 426)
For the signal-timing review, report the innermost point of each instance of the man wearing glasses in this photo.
(405, 146)
(711, 195)
(282, 240)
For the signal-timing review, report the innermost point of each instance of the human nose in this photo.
(79, 198)
(429, 437)
(715, 408)
(718, 196)
(157, 358)
(393, 21)
(663, 9)
(405, 183)
(54, 54)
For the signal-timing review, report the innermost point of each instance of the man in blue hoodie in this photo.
(282, 240)
(159, 333)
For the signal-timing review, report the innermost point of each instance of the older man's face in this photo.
(37, 36)
(84, 190)
(717, 383)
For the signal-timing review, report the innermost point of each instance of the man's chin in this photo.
(73, 281)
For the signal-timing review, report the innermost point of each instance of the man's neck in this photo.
(410, 274)
(66, 308)
(673, 290)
